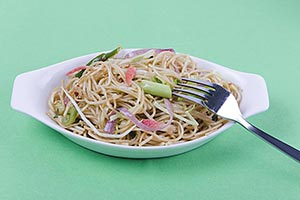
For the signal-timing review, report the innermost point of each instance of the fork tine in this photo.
(199, 94)
(191, 98)
(197, 87)
(205, 83)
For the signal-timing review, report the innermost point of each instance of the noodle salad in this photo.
(127, 100)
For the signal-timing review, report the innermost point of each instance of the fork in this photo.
(221, 102)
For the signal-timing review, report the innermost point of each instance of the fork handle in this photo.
(289, 150)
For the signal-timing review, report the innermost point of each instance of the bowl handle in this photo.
(256, 94)
(24, 93)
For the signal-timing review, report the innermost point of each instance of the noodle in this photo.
(94, 100)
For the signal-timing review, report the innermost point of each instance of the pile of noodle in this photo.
(102, 89)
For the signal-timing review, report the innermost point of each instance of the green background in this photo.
(261, 37)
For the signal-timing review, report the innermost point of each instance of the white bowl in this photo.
(31, 91)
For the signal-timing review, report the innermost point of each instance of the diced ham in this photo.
(152, 123)
(129, 75)
(75, 70)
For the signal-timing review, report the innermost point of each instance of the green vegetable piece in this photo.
(79, 74)
(70, 117)
(156, 89)
(104, 56)
(156, 79)
(101, 57)
(146, 55)
(59, 108)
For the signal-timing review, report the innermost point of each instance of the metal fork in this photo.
(221, 102)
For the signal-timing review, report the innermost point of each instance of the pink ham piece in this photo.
(76, 70)
(129, 75)
(152, 123)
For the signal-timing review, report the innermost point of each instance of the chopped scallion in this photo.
(156, 89)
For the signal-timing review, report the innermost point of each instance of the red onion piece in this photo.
(170, 110)
(66, 100)
(128, 114)
(110, 126)
(147, 126)
(162, 50)
(142, 51)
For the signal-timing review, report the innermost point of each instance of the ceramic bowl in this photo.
(31, 91)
